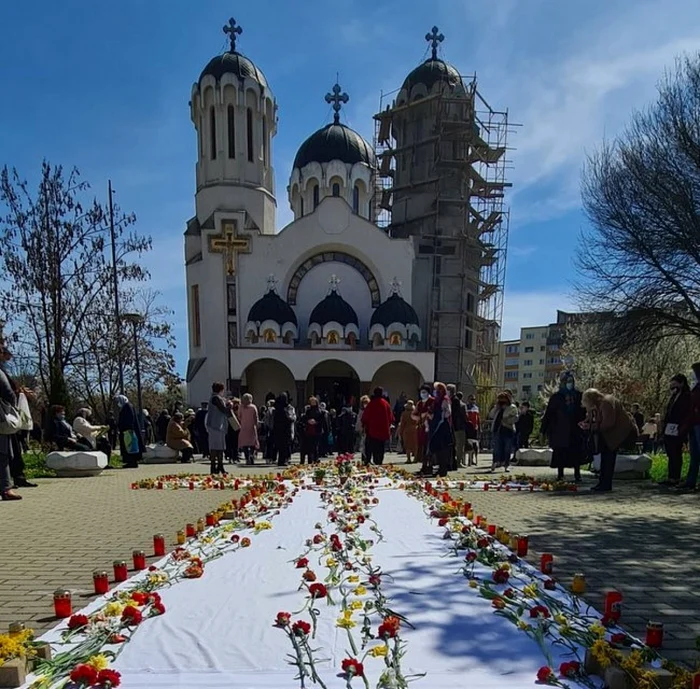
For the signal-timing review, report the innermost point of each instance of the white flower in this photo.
(388, 680)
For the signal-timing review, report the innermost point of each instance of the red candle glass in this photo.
(655, 634)
(139, 559)
(546, 563)
(121, 572)
(101, 582)
(613, 605)
(696, 680)
(210, 519)
(492, 529)
(159, 545)
(159, 485)
(523, 545)
(62, 603)
(467, 507)
(461, 486)
(191, 485)
(486, 486)
(477, 520)
(190, 531)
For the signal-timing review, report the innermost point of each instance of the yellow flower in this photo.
(472, 584)
(113, 609)
(560, 619)
(597, 629)
(360, 590)
(356, 605)
(99, 662)
(530, 591)
(378, 651)
(262, 526)
(523, 625)
(331, 562)
(346, 621)
(353, 579)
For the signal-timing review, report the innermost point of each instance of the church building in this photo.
(325, 306)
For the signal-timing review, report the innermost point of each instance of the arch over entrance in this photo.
(330, 257)
(267, 375)
(334, 382)
(397, 377)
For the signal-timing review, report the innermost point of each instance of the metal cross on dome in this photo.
(435, 38)
(233, 30)
(395, 286)
(334, 281)
(337, 98)
(271, 283)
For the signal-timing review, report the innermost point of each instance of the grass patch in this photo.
(35, 461)
(659, 467)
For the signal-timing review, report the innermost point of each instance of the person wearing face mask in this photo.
(560, 424)
(505, 417)
(691, 479)
(421, 415)
(62, 433)
(676, 427)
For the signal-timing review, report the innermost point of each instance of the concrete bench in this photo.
(628, 466)
(74, 464)
(534, 457)
(160, 454)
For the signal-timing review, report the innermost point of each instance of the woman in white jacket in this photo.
(93, 435)
(503, 430)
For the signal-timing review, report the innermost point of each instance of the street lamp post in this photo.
(136, 319)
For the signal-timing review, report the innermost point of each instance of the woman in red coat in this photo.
(376, 420)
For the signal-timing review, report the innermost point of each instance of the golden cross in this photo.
(229, 244)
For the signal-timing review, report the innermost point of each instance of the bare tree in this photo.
(640, 261)
(58, 273)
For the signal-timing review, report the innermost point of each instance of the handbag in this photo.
(671, 430)
(131, 442)
(234, 422)
(25, 414)
(10, 419)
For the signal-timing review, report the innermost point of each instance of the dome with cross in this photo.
(333, 321)
(271, 320)
(232, 62)
(394, 323)
(422, 80)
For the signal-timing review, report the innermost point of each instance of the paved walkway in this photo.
(638, 539)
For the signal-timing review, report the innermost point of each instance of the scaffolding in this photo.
(463, 155)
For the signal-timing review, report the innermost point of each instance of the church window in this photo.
(264, 140)
(269, 336)
(231, 132)
(288, 338)
(377, 340)
(249, 127)
(212, 133)
(356, 199)
(301, 206)
(196, 318)
(316, 192)
(395, 339)
(352, 340)
(232, 335)
(336, 189)
(314, 338)
(201, 137)
(332, 338)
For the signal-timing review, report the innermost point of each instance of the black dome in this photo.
(272, 308)
(335, 142)
(394, 310)
(233, 63)
(333, 308)
(431, 72)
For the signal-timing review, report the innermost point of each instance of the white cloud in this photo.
(527, 309)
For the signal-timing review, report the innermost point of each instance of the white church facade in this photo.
(325, 305)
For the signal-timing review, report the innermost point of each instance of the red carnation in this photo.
(618, 638)
(570, 668)
(84, 675)
(131, 616)
(309, 575)
(442, 521)
(470, 556)
(375, 580)
(539, 611)
(302, 562)
(545, 674)
(318, 591)
(509, 593)
(78, 621)
(389, 628)
(360, 519)
(235, 538)
(109, 678)
(154, 597)
(482, 542)
(318, 538)
(283, 619)
(157, 609)
(501, 576)
(348, 566)
(352, 667)
(139, 597)
(465, 529)
(550, 584)
(301, 628)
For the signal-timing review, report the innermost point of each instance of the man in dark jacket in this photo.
(523, 428)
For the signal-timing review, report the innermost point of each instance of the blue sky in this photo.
(105, 86)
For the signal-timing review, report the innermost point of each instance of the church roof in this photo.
(236, 64)
(333, 309)
(232, 62)
(272, 308)
(394, 310)
(335, 142)
(431, 72)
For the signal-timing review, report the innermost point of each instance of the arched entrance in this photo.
(267, 375)
(335, 383)
(397, 377)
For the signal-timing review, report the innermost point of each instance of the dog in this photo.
(471, 450)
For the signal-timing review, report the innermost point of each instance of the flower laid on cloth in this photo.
(78, 621)
(282, 619)
(87, 675)
(345, 621)
(18, 645)
(318, 591)
(546, 675)
(570, 668)
(389, 628)
(131, 616)
(352, 667)
(302, 562)
(301, 628)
